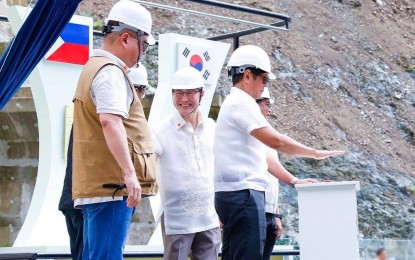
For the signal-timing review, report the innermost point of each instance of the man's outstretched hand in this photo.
(323, 154)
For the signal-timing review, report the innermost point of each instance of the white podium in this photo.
(328, 220)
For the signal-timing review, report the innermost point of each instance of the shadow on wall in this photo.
(19, 152)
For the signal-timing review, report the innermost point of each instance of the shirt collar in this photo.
(179, 122)
(109, 55)
(239, 92)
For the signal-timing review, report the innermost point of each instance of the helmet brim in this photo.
(271, 75)
(184, 87)
(151, 40)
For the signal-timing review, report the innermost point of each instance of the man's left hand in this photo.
(279, 227)
(134, 190)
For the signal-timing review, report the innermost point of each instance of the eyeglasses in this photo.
(265, 79)
(140, 87)
(143, 43)
(189, 93)
(260, 101)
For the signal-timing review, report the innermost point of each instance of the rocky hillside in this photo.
(346, 80)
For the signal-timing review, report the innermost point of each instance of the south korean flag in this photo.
(197, 57)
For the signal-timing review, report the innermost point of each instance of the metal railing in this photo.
(282, 22)
(285, 18)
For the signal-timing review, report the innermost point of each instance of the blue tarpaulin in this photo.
(36, 36)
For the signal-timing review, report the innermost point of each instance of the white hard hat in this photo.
(187, 78)
(133, 15)
(266, 94)
(139, 75)
(250, 56)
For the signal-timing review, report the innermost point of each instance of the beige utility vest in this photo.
(93, 162)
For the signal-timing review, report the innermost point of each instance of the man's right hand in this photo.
(134, 190)
(323, 154)
(306, 181)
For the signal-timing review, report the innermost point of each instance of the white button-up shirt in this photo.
(271, 193)
(110, 90)
(240, 159)
(185, 174)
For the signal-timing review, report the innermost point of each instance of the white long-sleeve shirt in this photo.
(185, 174)
(271, 193)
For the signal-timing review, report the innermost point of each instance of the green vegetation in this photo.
(98, 25)
(289, 167)
(411, 190)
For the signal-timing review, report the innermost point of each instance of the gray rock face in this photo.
(385, 202)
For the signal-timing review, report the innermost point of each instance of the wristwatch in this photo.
(280, 216)
(293, 181)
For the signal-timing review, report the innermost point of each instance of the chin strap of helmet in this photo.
(194, 110)
(200, 100)
(200, 96)
(118, 28)
(139, 33)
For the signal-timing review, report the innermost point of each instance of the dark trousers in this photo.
(271, 236)
(242, 214)
(74, 224)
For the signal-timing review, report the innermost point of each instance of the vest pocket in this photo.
(144, 164)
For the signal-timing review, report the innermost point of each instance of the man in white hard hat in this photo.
(139, 78)
(113, 157)
(74, 217)
(241, 157)
(183, 145)
(273, 217)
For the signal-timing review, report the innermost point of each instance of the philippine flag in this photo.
(72, 46)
